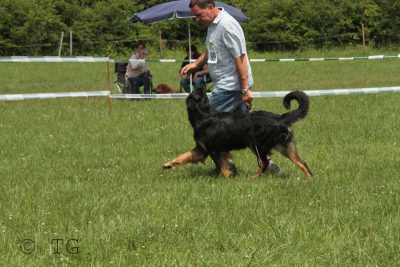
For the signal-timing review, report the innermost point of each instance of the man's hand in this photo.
(248, 98)
(189, 68)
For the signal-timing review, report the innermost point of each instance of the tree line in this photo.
(102, 27)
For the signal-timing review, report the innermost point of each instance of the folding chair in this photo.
(120, 83)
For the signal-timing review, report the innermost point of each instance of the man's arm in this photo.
(201, 72)
(243, 72)
(135, 64)
(201, 60)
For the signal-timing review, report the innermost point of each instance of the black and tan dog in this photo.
(218, 133)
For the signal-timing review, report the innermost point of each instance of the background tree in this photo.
(102, 27)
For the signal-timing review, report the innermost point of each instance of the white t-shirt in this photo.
(225, 42)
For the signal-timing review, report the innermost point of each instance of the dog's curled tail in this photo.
(301, 112)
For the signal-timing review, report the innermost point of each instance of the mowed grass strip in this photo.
(19, 78)
(69, 171)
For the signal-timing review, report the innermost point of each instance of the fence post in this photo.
(363, 34)
(109, 89)
(70, 43)
(161, 43)
(61, 43)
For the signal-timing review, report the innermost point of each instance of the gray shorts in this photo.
(227, 101)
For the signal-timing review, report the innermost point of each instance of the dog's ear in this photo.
(203, 89)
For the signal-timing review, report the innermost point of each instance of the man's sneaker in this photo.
(271, 169)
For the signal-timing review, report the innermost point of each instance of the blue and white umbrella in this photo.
(180, 10)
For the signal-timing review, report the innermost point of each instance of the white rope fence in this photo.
(53, 59)
(270, 94)
(15, 97)
(106, 59)
(262, 60)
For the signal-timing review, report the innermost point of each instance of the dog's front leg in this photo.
(194, 156)
(226, 168)
(260, 171)
(223, 162)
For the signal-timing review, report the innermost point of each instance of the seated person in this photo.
(137, 72)
(198, 76)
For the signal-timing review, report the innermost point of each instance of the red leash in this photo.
(259, 161)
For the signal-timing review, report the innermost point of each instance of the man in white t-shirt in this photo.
(137, 71)
(226, 56)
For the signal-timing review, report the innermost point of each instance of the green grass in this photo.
(69, 171)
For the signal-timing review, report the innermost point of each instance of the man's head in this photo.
(141, 48)
(195, 52)
(204, 11)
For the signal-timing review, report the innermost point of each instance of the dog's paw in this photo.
(257, 175)
(168, 165)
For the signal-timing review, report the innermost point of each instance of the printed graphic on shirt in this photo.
(212, 57)
(212, 54)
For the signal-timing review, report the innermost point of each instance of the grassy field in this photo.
(71, 172)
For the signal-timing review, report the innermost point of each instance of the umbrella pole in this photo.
(190, 57)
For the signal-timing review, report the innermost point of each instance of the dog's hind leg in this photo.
(290, 152)
(194, 156)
